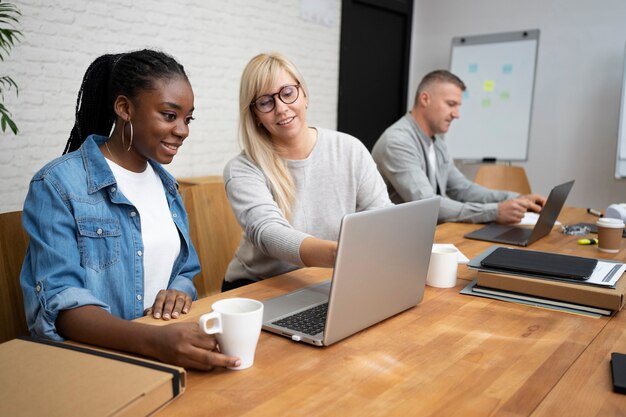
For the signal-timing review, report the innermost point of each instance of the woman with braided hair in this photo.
(109, 237)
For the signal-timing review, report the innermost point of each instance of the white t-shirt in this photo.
(432, 159)
(161, 242)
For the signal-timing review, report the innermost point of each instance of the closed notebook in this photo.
(47, 378)
(540, 263)
(570, 291)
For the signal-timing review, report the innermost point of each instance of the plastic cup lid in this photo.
(612, 223)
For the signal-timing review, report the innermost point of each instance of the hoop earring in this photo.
(130, 143)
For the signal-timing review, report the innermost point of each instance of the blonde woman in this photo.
(292, 183)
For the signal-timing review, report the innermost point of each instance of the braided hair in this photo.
(110, 76)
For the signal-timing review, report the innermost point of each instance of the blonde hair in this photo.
(260, 74)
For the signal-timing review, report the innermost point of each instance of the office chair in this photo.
(503, 177)
(13, 243)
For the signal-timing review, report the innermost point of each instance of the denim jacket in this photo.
(85, 241)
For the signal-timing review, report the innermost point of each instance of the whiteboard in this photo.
(499, 73)
(620, 161)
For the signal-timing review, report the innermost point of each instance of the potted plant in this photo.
(9, 36)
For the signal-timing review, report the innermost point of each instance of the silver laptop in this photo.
(380, 270)
(521, 236)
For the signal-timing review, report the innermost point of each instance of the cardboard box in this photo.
(43, 378)
(589, 295)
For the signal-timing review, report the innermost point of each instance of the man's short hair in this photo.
(438, 76)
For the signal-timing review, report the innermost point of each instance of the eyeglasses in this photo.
(287, 94)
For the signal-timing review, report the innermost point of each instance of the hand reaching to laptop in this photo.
(513, 210)
(536, 202)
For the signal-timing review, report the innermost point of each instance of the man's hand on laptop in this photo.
(512, 211)
(536, 202)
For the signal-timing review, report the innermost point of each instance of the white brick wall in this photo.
(212, 39)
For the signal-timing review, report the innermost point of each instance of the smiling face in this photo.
(286, 123)
(160, 118)
(438, 106)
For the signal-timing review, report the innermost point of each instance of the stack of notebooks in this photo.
(563, 282)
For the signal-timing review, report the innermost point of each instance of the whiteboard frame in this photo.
(520, 35)
(621, 132)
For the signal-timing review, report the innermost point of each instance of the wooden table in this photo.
(452, 355)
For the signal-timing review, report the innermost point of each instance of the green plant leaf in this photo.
(6, 83)
(5, 119)
(9, 12)
(9, 37)
(13, 126)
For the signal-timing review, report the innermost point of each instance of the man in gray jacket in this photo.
(414, 161)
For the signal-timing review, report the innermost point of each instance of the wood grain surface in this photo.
(452, 355)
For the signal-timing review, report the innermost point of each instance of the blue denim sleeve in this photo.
(184, 280)
(52, 277)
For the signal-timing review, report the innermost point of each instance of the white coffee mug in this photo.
(443, 267)
(236, 323)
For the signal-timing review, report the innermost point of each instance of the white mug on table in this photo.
(443, 267)
(236, 322)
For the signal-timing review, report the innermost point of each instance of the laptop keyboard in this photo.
(310, 321)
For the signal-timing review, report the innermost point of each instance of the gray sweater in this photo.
(337, 178)
(401, 154)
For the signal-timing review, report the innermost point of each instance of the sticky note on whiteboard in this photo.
(488, 85)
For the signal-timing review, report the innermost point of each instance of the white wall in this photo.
(576, 103)
(577, 88)
(212, 39)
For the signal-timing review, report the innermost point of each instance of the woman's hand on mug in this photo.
(184, 344)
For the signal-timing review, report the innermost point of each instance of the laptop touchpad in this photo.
(516, 233)
(289, 303)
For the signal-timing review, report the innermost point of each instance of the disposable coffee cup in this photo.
(610, 234)
(444, 263)
(236, 323)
